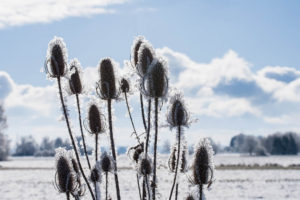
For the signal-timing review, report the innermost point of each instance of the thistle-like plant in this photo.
(203, 165)
(96, 178)
(56, 67)
(107, 90)
(145, 169)
(177, 117)
(107, 166)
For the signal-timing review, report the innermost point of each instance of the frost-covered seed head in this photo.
(95, 175)
(145, 167)
(203, 167)
(65, 174)
(190, 197)
(172, 159)
(135, 49)
(96, 124)
(155, 83)
(107, 83)
(177, 114)
(145, 58)
(183, 160)
(124, 85)
(106, 164)
(57, 57)
(75, 81)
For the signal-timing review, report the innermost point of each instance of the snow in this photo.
(32, 178)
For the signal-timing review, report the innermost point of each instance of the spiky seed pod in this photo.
(57, 57)
(135, 152)
(135, 49)
(106, 163)
(145, 56)
(65, 179)
(75, 80)
(183, 160)
(190, 197)
(144, 166)
(172, 159)
(124, 85)
(96, 173)
(177, 114)
(155, 83)
(203, 167)
(95, 119)
(106, 87)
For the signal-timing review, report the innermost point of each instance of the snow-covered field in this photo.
(32, 178)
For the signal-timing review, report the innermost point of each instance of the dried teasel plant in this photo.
(145, 169)
(107, 90)
(203, 165)
(56, 67)
(107, 165)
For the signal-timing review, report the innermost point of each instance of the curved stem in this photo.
(71, 137)
(176, 191)
(138, 183)
(113, 148)
(106, 185)
(155, 147)
(143, 112)
(134, 130)
(81, 130)
(177, 162)
(148, 128)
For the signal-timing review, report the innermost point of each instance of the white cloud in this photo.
(19, 12)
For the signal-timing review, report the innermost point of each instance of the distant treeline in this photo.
(276, 144)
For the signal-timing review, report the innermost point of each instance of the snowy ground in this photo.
(32, 178)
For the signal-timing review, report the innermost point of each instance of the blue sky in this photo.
(237, 61)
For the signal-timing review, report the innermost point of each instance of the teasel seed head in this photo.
(155, 82)
(95, 119)
(135, 49)
(65, 179)
(144, 165)
(106, 163)
(203, 167)
(177, 114)
(75, 79)
(106, 87)
(190, 197)
(96, 173)
(124, 85)
(146, 56)
(183, 159)
(172, 159)
(135, 152)
(56, 63)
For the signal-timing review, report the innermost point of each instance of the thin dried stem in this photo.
(71, 136)
(177, 162)
(143, 112)
(176, 191)
(106, 185)
(138, 183)
(113, 148)
(96, 147)
(81, 130)
(155, 147)
(200, 191)
(68, 195)
(148, 128)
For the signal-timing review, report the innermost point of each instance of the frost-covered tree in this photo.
(26, 147)
(4, 142)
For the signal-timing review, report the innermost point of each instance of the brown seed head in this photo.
(75, 81)
(124, 85)
(172, 159)
(106, 164)
(95, 175)
(145, 167)
(95, 120)
(66, 180)
(107, 82)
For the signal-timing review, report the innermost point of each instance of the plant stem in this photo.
(113, 148)
(81, 130)
(147, 186)
(148, 128)
(71, 136)
(155, 147)
(176, 191)
(143, 112)
(200, 191)
(68, 195)
(144, 188)
(106, 185)
(177, 161)
(96, 146)
(138, 183)
(134, 130)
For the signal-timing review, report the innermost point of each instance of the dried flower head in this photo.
(95, 119)
(106, 87)
(145, 56)
(135, 49)
(96, 173)
(144, 165)
(56, 59)
(65, 179)
(190, 197)
(135, 152)
(177, 114)
(106, 163)
(183, 159)
(124, 85)
(173, 159)
(75, 80)
(155, 82)
(203, 167)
